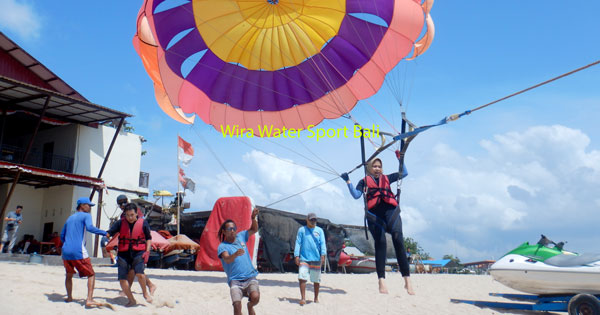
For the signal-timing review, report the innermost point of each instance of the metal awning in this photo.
(41, 177)
(16, 95)
(33, 65)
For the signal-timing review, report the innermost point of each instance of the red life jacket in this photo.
(376, 194)
(136, 239)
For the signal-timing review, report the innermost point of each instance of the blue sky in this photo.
(477, 187)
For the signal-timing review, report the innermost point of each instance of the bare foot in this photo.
(92, 303)
(250, 309)
(68, 300)
(302, 302)
(409, 288)
(131, 303)
(148, 298)
(316, 300)
(152, 289)
(382, 288)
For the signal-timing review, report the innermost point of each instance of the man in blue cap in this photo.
(74, 254)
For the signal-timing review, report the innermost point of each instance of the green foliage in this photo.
(414, 248)
(452, 258)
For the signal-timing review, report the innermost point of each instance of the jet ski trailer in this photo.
(574, 304)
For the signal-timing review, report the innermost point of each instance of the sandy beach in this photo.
(32, 288)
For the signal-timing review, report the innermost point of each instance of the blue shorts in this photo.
(310, 269)
(136, 264)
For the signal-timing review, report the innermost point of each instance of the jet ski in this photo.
(547, 268)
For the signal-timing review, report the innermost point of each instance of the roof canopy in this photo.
(16, 95)
(39, 177)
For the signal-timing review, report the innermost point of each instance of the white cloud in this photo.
(478, 206)
(540, 180)
(268, 179)
(20, 17)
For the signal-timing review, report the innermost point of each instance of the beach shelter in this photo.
(183, 242)
(238, 209)
(159, 243)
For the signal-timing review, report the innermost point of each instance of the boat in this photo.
(546, 268)
(359, 263)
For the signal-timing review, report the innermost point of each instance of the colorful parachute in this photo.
(282, 63)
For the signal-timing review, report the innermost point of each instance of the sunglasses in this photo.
(230, 229)
(313, 220)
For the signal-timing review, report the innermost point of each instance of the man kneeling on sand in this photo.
(74, 254)
(241, 275)
(135, 243)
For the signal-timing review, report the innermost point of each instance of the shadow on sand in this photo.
(293, 301)
(218, 278)
(103, 276)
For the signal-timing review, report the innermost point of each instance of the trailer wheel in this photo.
(584, 304)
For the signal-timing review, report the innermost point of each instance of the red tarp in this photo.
(159, 243)
(238, 209)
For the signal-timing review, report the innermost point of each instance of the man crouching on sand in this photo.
(135, 242)
(241, 275)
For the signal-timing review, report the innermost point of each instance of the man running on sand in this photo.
(74, 254)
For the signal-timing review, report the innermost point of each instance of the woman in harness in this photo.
(383, 215)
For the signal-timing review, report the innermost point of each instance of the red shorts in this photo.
(84, 266)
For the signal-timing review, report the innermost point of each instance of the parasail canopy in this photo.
(279, 63)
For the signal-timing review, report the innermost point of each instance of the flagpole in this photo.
(177, 196)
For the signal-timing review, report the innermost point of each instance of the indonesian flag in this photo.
(185, 152)
(186, 182)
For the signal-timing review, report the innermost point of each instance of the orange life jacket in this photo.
(377, 193)
(136, 239)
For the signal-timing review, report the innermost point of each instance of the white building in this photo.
(70, 140)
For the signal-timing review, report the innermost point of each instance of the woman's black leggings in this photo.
(378, 232)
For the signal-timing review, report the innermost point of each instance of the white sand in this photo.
(34, 289)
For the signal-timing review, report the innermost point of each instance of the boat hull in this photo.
(361, 265)
(535, 277)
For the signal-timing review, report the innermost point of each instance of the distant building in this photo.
(479, 267)
(56, 146)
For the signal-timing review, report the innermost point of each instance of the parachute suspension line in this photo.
(324, 162)
(218, 160)
(366, 100)
(337, 100)
(400, 157)
(284, 160)
(296, 194)
(365, 188)
(250, 52)
(534, 86)
(331, 170)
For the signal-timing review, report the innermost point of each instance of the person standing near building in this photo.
(74, 254)
(241, 275)
(135, 242)
(13, 220)
(122, 201)
(309, 255)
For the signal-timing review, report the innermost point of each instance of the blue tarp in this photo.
(437, 263)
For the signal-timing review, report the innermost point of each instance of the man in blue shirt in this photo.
(241, 275)
(309, 254)
(13, 220)
(74, 254)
